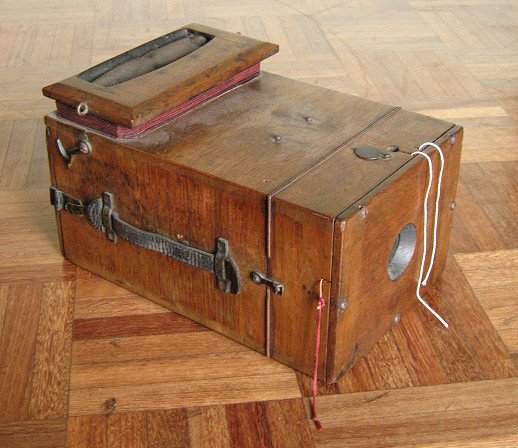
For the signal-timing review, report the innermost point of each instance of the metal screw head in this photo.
(256, 278)
(343, 304)
(453, 139)
(308, 119)
(363, 212)
(277, 137)
(85, 147)
(393, 148)
(453, 205)
(397, 318)
(386, 156)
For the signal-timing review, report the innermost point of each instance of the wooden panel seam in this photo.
(394, 175)
(269, 220)
(334, 151)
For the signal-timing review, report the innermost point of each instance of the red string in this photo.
(321, 304)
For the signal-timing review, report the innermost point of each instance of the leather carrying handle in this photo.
(102, 215)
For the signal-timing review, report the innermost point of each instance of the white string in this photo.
(437, 201)
(425, 226)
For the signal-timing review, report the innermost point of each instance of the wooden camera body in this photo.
(182, 172)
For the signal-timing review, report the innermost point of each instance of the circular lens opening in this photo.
(402, 252)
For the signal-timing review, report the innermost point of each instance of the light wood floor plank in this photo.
(471, 414)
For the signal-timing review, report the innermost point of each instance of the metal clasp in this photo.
(261, 279)
(83, 146)
(64, 202)
(371, 153)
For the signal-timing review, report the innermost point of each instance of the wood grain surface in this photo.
(145, 97)
(419, 386)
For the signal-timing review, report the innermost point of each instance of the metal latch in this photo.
(261, 279)
(83, 146)
(371, 153)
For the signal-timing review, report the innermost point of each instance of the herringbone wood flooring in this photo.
(86, 363)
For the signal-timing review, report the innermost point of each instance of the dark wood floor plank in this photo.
(161, 346)
(151, 324)
(53, 355)
(288, 425)
(168, 428)
(17, 348)
(89, 431)
(209, 428)
(127, 430)
(275, 424)
(33, 434)
(248, 425)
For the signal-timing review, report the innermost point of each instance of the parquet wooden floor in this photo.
(85, 363)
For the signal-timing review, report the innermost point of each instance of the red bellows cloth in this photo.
(119, 131)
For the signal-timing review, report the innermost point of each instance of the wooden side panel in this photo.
(177, 203)
(363, 242)
(301, 252)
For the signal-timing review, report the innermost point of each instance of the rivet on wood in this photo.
(85, 147)
(453, 139)
(453, 205)
(343, 304)
(308, 119)
(277, 137)
(83, 108)
(363, 211)
(393, 148)
(397, 318)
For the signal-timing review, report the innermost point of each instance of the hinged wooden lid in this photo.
(140, 84)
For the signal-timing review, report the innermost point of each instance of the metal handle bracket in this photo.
(102, 215)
